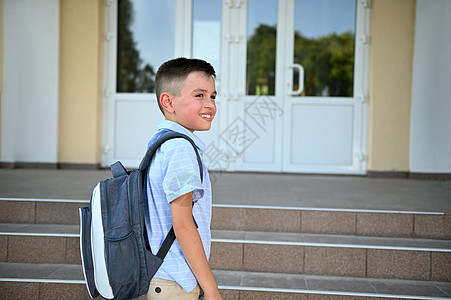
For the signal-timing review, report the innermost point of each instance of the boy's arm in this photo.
(191, 244)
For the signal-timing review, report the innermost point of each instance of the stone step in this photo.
(431, 225)
(40, 211)
(56, 281)
(333, 255)
(43, 281)
(435, 225)
(315, 254)
(40, 243)
(257, 285)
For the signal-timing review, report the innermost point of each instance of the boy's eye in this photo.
(202, 96)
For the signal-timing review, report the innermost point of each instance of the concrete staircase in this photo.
(257, 252)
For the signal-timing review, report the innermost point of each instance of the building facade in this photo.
(326, 87)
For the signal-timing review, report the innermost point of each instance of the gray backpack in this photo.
(116, 257)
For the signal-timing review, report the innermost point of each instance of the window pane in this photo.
(207, 33)
(261, 47)
(145, 41)
(324, 46)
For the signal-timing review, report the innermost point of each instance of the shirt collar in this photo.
(165, 125)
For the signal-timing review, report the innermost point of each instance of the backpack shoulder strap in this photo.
(170, 237)
(165, 137)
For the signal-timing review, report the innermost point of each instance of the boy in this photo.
(186, 95)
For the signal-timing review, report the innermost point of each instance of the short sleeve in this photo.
(181, 174)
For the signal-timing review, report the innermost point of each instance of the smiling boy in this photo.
(186, 93)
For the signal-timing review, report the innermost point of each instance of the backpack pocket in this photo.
(125, 270)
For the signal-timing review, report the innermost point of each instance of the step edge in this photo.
(40, 280)
(331, 209)
(250, 288)
(253, 207)
(309, 244)
(44, 200)
(43, 234)
(264, 242)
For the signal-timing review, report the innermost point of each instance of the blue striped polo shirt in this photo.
(173, 172)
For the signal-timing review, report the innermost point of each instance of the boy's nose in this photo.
(209, 103)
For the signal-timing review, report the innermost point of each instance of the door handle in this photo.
(300, 88)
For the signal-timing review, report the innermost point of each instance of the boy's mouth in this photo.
(206, 116)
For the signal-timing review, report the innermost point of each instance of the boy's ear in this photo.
(166, 102)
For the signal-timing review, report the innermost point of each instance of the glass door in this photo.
(324, 120)
(303, 102)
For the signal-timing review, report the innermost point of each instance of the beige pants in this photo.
(164, 289)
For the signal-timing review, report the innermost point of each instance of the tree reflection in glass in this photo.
(324, 41)
(143, 43)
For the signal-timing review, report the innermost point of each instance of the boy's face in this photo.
(195, 108)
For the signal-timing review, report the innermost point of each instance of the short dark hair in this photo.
(171, 75)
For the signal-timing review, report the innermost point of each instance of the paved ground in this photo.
(341, 192)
